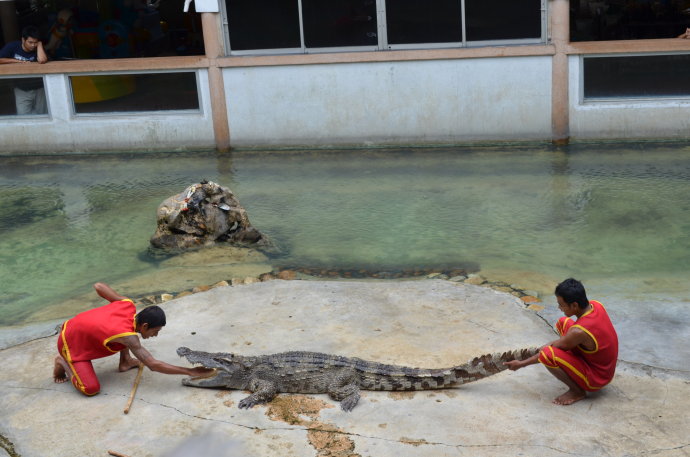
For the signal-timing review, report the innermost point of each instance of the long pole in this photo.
(134, 388)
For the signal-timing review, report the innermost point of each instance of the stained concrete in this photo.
(430, 323)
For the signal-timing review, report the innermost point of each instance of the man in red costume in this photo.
(584, 357)
(105, 331)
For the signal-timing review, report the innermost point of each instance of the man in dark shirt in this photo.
(29, 94)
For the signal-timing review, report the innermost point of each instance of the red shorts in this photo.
(83, 375)
(568, 361)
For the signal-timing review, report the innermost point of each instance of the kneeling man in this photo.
(584, 357)
(105, 331)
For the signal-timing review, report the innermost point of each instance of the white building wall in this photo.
(506, 98)
(366, 103)
(144, 131)
(623, 119)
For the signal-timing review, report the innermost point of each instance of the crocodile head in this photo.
(230, 371)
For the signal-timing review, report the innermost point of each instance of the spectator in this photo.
(29, 94)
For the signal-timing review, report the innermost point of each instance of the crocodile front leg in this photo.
(263, 391)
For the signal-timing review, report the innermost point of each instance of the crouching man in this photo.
(105, 331)
(584, 357)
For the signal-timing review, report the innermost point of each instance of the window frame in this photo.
(75, 115)
(623, 100)
(382, 36)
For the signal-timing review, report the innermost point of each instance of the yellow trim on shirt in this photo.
(587, 312)
(596, 343)
(119, 335)
(134, 325)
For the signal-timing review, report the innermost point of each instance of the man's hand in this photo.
(514, 365)
(200, 372)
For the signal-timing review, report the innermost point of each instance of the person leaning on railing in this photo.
(29, 94)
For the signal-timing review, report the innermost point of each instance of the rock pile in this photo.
(202, 215)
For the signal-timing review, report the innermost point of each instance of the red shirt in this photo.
(89, 335)
(602, 360)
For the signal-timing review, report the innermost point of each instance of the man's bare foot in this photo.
(129, 364)
(569, 397)
(60, 370)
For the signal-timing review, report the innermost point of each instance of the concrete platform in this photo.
(430, 323)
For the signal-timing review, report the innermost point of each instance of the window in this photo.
(22, 97)
(106, 29)
(637, 76)
(592, 20)
(339, 23)
(290, 26)
(134, 92)
(431, 21)
(503, 19)
(263, 24)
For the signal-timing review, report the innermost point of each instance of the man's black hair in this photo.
(31, 31)
(572, 290)
(152, 315)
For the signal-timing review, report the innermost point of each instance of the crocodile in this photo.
(340, 377)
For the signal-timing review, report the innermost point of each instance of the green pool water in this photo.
(616, 216)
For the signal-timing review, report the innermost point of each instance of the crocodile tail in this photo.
(489, 364)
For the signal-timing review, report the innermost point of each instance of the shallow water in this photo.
(607, 214)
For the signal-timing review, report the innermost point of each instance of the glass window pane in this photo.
(263, 24)
(331, 23)
(502, 19)
(134, 92)
(22, 97)
(593, 20)
(637, 76)
(430, 21)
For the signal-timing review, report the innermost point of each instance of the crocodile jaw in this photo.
(221, 363)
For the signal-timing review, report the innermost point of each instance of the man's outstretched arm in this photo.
(145, 357)
(517, 364)
(571, 339)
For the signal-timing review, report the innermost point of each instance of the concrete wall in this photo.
(669, 119)
(444, 100)
(63, 131)
(433, 101)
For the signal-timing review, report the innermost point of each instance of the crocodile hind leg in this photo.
(348, 396)
(345, 389)
(263, 391)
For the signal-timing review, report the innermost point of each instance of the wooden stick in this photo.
(134, 388)
(117, 454)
